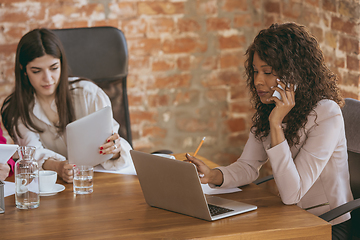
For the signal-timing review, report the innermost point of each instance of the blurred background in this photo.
(186, 76)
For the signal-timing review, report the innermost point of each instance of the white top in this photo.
(87, 98)
(314, 174)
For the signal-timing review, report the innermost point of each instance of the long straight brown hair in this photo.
(18, 105)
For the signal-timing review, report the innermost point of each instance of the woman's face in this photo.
(264, 78)
(44, 74)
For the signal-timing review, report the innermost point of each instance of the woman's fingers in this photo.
(112, 145)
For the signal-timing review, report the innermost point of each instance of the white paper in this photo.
(9, 188)
(129, 170)
(211, 191)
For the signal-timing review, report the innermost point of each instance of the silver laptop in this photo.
(85, 135)
(175, 186)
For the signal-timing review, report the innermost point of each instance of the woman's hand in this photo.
(112, 146)
(63, 169)
(282, 108)
(207, 175)
(284, 105)
(4, 171)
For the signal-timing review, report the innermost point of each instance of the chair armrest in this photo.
(264, 179)
(338, 211)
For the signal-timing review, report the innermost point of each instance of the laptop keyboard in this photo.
(216, 210)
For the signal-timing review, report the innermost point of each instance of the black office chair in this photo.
(351, 114)
(101, 54)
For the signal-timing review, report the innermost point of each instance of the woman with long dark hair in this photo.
(300, 131)
(45, 100)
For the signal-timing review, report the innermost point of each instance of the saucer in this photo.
(57, 188)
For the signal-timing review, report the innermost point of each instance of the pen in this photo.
(202, 141)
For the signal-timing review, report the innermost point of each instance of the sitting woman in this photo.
(7, 169)
(301, 132)
(45, 100)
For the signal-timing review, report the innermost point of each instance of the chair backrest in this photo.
(351, 113)
(101, 54)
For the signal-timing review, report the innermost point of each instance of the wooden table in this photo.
(117, 210)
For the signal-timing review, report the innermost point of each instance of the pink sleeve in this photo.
(11, 162)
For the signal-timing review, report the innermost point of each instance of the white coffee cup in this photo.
(47, 180)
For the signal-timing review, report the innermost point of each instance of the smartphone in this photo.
(277, 94)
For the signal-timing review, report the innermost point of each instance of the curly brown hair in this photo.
(296, 58)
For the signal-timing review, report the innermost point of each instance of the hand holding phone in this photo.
(277, 94)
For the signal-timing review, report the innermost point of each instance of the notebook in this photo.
(85, 135)
(175, 186)
(6, 151)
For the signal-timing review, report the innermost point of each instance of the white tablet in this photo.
(6, 151)
(85, 135)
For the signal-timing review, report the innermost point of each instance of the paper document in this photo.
(9, 188)
(211, 191)
(129, 170)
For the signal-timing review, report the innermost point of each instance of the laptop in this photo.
(175, 186)
(6, 151)
(85, 135)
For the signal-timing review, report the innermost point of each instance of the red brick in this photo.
(313, 3)
(331, 39)
(311, 15)
(210, 63)
(134, 27)
(217, 24)
(292, 9)
(351, 79)
(233, 41)
(243, 20)
(160, 7)
(138, 116)
(340, 62)
(234, 5)
(122, 10)
(352, 63)
(184, 62)
(240, 92)
(173, 81)
(208, 7)
(154, 131)
(236, 124)
(271, 6)
(349, 9)
(349, 45)
(318, 33)
(195, 125)
(329, 5)
(188, 25)
(135, 100)
(234, 59)
(8, 49)
(183, 98)
(137, 63)
(162, 65)
(222, 78)
(343, 25)
(182, 45)
(242, 106)
(21, 15)
(158, 100)
(144, 46)
(106, 22)
(160, 25)
(216, 95)
(75, 24)
(237, 139)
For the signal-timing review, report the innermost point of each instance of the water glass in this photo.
(83, 179)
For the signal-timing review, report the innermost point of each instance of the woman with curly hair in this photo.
(300, 131)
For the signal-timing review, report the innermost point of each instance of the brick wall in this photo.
(186, 74)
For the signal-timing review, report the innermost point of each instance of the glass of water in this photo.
(83, 179)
